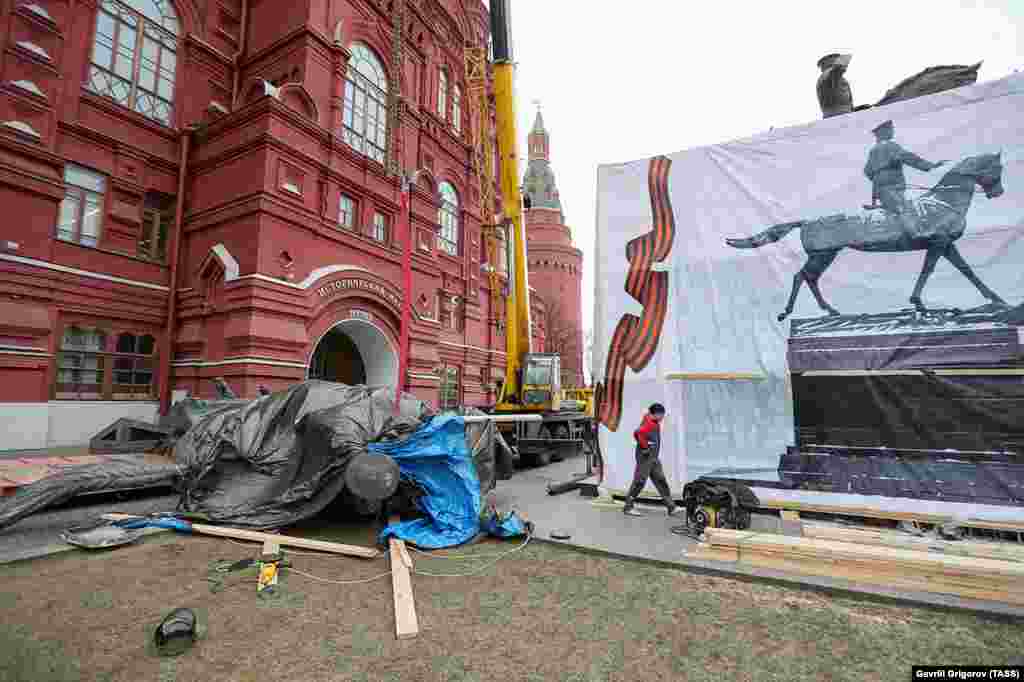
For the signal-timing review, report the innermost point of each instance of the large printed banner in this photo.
(887, 238)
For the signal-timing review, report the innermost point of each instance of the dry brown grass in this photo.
(544, 613)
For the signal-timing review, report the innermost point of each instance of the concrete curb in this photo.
(831, 586)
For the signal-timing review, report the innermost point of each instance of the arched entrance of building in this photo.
(355, 352)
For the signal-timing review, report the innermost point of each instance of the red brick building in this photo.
(555, 265)
(262, 143)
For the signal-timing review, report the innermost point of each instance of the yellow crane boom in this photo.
(532, 383)
(517, 333)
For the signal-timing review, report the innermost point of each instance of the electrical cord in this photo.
(459, 557)
(339, 582)
(686, 530)
(500, 556)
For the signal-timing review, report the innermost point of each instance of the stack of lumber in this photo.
(1004, 551)
(828, 503)
(916, 569)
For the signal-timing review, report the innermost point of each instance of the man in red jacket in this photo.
(648, 446)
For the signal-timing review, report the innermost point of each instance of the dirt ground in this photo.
(543, 613)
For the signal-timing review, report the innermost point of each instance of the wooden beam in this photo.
(765, 502)
(406, 622)
(281, 540)
(976, 578)
(715, 376)
(1004, 551)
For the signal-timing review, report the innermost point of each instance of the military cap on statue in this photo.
(827, 59)
(882, 127)
(834, 58)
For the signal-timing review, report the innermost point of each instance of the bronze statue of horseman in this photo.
(932, 223)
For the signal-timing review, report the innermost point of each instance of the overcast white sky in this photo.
(624, 81)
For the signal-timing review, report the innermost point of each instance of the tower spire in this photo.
(538, 122)
(539, 181)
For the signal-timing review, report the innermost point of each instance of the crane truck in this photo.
(532, 380)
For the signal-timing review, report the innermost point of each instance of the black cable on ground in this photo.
(686, 530)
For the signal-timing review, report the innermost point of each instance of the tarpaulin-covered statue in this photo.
(273, 461)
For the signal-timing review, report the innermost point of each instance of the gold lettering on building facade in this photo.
(359, 284)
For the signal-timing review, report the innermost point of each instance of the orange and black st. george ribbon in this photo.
(636, 338)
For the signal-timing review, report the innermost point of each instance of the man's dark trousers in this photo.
(648, 465)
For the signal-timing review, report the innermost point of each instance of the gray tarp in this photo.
(269, 462)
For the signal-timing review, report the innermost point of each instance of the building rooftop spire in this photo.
(539, 181)
(538, 123)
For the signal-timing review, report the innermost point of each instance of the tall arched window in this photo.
(364, 119)
(448, 217)
(442, 93)
(457, 108)
(134, 56)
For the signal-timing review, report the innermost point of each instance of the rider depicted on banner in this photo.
(885, 171)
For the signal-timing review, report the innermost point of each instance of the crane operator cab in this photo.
(542, 381)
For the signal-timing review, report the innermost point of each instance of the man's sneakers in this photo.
(632, 511)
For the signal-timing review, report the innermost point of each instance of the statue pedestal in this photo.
(909, 405)
(905, 340)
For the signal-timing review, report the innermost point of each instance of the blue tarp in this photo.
(437, 459)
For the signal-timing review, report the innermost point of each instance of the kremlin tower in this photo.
(555, 265)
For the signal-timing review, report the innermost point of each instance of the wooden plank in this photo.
(842, 510)
(909, 558)
(406, 622)
(962, 576)
(990, 550)
(871, 513)
(883, 576)
(283, 540)
(714, 376)
(255, 536)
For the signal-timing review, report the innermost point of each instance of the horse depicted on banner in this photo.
(932, 224)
